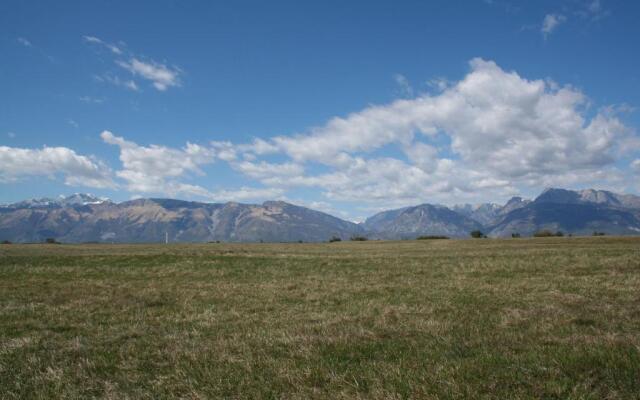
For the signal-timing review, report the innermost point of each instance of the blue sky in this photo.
(348, 107)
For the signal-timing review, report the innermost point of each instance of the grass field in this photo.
(505, 319)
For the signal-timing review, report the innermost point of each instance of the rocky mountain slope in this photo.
(490, 213)
(149, 220)
(577, 212)
(425, 219)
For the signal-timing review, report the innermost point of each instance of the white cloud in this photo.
(438, 83)
(161, 76)
(487, 134)
(161, 169)
(91, 100)
(115, 80)
(550, 23)
(78, 170)
(156, 169)
(362, 131)
(264, 170)
(24, 42)
(635, 165)
(595, 7)
(112, 47)
(403, 85)
(73, 123)
(423, 155)
(11, 135)
(593, 10)
(247, 193)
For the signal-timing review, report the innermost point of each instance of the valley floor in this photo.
(522, 318)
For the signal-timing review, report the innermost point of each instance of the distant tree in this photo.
(596, 233)
(547, 233)
(477, 234)
(358, 238)
(300, 241)
(431, 237)
(335, 239)
(6, 242)
(515, 235)
(51, 241)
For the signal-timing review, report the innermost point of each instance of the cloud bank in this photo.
(489, 135)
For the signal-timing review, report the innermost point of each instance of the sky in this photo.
(345, 107)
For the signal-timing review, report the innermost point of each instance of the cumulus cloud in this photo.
(491, 132)
(161, 76)
(550, 23)
(78, 170)
(157, 169)
(635, 165)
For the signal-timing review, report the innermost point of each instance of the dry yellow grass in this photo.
(526, 318)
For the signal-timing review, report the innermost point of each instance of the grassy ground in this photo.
(526, 318)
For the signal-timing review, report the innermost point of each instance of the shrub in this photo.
(51, 241)
(6, 242)
(515, 235)
(358, 238)
(596, 233)
(335, 239)
(431, 237)
(543, 233)
(477, 234)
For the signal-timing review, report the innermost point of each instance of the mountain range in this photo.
(86, 218)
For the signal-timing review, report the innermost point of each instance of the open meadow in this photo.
(504, 319)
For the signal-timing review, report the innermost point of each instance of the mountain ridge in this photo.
(87, 218)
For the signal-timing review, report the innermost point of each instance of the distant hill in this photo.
(86, 218)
